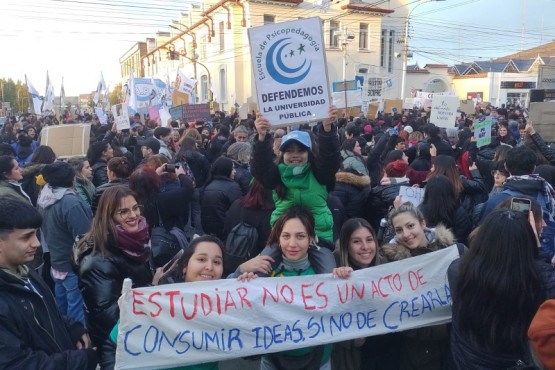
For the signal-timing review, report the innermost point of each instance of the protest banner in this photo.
(347, 98)
(177, 112)
(189, 323)
(374, 87)
(411, 194)
(165, 117)
(121, 116)
(393, 105)
(467, 106)
(482, 132)
(373, 110)
(542, 115)
(196, 112)
(408, 103)
(67, 140)
(423, 99)
(153, 113)
(101, 115)
(148, 92)
(444, 110)
(290, 72)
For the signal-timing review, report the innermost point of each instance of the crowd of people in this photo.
(313, 199)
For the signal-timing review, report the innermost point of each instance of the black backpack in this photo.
(240, 245)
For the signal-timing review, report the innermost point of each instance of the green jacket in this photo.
(303, 189)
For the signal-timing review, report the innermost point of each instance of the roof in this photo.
(491, 66)
(523, 64)
(545, 50)
(361, 6)
(416, 69)
(436, 66)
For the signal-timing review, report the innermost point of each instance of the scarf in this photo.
(133, 245)
(547, 189)
(295, 266)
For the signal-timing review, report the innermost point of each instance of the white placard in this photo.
(411, 194)
(444, 110)
(121, 116)
(101, 115)
(289, 65)
(162, 327)
(165, 117)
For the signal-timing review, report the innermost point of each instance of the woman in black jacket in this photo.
(119, 170)
(217, 196)
(441, 205)
(99, 154)
(113, 250)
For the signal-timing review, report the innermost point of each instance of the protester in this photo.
(83, 176)
(217, 195)
(99, 154)
(115, 248)
(32, 182)
(424, 348)
(66, 217)
(492, 312)
(302, 176)
(118, 170)
(10, 176)
(164, 137)
(33, 333)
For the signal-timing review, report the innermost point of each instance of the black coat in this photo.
(199, 165)
(352, 190)
(215, 199)
(99, 172)
(258, 218)
(33, 333)
(243, 176)
(101, 280)
(379, 200)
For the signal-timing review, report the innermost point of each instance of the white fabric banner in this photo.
(189, 323)
(185, 84)
(290, 71)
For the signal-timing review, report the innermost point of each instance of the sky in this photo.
(78, 39)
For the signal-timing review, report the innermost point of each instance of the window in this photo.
(204, 88)
(363, 36)
(223, 85)
(382, 48)
(222, 36)
(391, 51)
(269, 19)
(334, 34)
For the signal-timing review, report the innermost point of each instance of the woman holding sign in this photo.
(358, 249)
(424, 348)
(294, 234)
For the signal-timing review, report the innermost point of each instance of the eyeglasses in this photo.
(125, 213)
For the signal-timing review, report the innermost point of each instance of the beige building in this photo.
(132, 60)
(212, 45)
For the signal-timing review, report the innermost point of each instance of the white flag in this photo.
(185, 84)
(131, 99)
(100, 88)
(35, 97)
(48, 105)
(62, 98)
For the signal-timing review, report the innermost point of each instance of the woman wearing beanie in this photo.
(65, 217)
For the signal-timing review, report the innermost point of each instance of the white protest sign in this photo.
(290, 73)
(408, 103)
(189, 323)
(121, 116)
(354, 98)
(411, 194)
(423, 99)
(165, 117)
(444, 110)
(482, 133)
(101, 115)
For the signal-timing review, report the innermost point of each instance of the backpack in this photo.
(240, 245)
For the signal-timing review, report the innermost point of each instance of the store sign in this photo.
(546, 77)
(518, 85)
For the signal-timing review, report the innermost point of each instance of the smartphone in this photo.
(172, 261)
(171, 167)
(521, 205)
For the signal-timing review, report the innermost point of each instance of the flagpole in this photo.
(28, 96)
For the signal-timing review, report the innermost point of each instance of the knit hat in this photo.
(58, 174)
(396, 168)
(542, 333)
(408, 129)
(368, 129)
(240, 152)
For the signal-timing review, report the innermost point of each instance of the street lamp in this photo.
(346, 37)
(406, 45)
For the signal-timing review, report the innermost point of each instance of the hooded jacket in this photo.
(33, 334)
(99, 172)
(13, 189)
(352, 190)
(65, 216)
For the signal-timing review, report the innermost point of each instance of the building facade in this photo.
(212, 46)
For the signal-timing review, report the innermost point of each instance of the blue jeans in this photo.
(69, 298)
